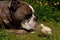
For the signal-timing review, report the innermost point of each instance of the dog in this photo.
(15, 13)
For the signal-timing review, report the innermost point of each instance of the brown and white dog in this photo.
(18, 14)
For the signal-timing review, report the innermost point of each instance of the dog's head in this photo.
(25, 13)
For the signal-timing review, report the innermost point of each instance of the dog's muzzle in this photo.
(30, 24)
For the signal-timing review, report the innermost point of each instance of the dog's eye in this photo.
(28, 16)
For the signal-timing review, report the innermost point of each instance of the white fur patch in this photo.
(31, 8)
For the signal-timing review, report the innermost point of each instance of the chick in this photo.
(45, 30)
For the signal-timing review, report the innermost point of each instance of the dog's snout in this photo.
(35, 18)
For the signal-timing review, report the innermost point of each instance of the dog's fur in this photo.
(13, 14)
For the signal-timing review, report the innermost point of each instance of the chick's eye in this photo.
(46, 31)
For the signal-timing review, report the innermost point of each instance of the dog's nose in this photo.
(35, 18)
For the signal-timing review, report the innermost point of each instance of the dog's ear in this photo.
(13, 5)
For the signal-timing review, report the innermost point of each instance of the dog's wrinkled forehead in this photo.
(31, 14)
(31, 8)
